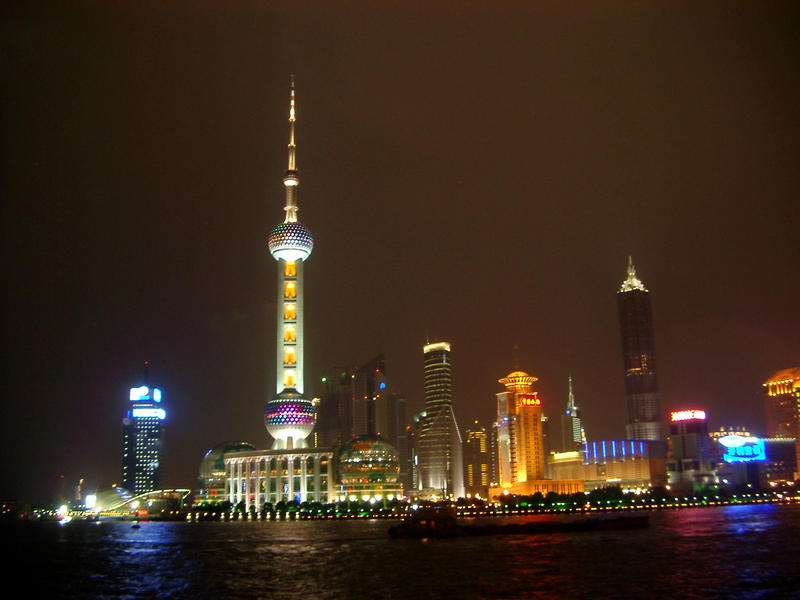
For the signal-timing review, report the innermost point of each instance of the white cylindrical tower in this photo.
(289, 417)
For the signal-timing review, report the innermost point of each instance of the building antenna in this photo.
(290, 181)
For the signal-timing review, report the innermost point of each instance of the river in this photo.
(746, 551)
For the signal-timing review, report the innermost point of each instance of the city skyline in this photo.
(488, 198)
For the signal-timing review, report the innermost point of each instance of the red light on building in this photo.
(529, 400)
(687, 415)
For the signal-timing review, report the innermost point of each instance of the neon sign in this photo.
(687, 415)
(529, 400)
(743, 449)
(158, 413)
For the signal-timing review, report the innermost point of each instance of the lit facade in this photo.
(368, 469)
(639, 359)
(520, 438)
(441, 467)
(290, 471)
(689, 454)
(142, 438)
(572, 435)
(630, 464)
(782, 403)
(476, 461)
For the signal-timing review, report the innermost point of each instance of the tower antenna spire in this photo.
(290, 181)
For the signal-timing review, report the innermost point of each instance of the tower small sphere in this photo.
(289, 415)
(290, 241)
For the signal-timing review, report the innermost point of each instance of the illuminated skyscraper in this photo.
(520, 439)
(142, 436)
(440, 441)
(289, 417)
(639, 359)
(572, 436)
(782, 403)
(476, 461)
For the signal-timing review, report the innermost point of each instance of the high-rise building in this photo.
(476, 461)
(639, 359)
(782, 403)
(142, 438)
(572, 435)
(440, 441)
(291, 470)
(520, 436)
(289, 416)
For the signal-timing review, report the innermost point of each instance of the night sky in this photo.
(477, 173)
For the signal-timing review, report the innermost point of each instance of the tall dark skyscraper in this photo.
(440, 441)
(476, 461)
(639, 359)
(142, 437)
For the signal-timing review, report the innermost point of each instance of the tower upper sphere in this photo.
(291, 240)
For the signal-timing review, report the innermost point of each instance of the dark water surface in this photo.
(721, 552)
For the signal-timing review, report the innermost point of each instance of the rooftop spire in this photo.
(571, 400)
(290, 181)
(632, 282)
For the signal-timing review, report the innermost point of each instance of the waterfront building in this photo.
(630, 464)
(520, 435)
(639, 359)
(212, 475)
(291, 470)
(782, 403)
(441, 457)
(142, 438)
(476, 461)
(572, 434)
(369, 468)
(412, 459)
(689, 457)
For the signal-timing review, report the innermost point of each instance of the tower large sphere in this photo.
(289, 415)
(290, 241)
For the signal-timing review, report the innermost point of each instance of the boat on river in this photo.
(427, 523)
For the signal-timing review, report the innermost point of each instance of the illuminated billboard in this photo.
(739, 448)
(142, 393)
(158, 413)
(529, 400)
(687, 415)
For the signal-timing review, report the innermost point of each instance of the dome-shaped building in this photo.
(368, 468)
(211, 475)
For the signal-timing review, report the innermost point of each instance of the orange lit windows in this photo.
(288, 356)
(288, 378)
(289, 312)
(290, 270)
(289, 290)
(289, 334)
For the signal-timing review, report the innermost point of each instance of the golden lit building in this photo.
(782, 403)
(521, 453)
(476, 461)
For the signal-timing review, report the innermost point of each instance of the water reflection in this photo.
(736, 551)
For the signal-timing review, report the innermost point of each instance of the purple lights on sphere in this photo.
(289, 413)
(290, 241)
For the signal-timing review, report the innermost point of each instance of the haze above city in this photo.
(477, 174)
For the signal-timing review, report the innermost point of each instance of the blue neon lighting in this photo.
(158, 413)
(382, 385)
(604, 449)
(157, 394)
(613, 448)
(752, 449)
(594, 450)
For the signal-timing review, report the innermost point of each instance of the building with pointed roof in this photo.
(572, 435)
(644, 420)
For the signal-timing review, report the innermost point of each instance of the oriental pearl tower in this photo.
(289, 416)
